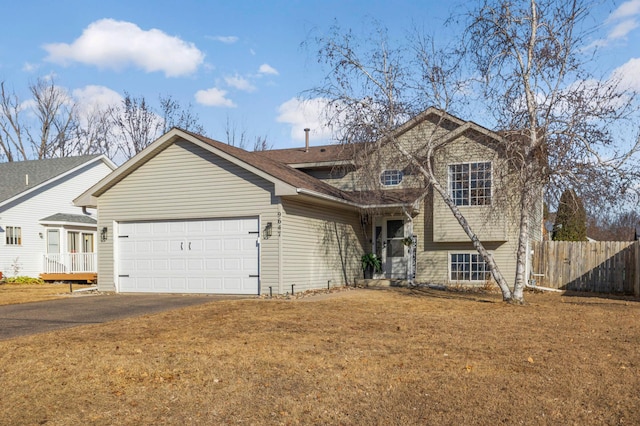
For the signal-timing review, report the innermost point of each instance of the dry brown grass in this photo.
(363, 357)
(11, 294)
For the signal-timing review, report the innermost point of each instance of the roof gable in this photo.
(287, 180)
(21, 177)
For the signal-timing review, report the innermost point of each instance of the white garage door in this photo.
(191, 256)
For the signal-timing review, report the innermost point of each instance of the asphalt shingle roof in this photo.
(13, 179)
(277, 169)
(315, 154)
(275, 163)
(74, 218)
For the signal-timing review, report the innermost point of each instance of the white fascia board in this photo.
(352, 204)
(321, 164)
(76, 224)
(55, 178)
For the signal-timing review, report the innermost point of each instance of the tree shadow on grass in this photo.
(471, 295)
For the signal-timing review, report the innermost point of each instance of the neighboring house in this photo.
(41, 232)
(192, 215)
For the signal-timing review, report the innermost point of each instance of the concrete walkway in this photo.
(41, 317)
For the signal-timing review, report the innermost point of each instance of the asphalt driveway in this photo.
(41, 317)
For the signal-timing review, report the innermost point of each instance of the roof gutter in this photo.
(62, 223)
(352, 204)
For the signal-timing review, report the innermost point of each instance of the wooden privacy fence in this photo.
(602, 266)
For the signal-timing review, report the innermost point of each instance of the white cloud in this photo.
(301, 114)
(92, 97)
(240, 83)
(28, 67)
(629, 74)
(268, 69)
(623, 21)
(92, 101)
(225, 39)
(108, 43)
(214, 97)
(622, 29)
(625, 10)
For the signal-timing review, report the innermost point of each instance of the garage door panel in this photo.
(214, 265)
(233, 284)
(143, 247)
(195, 285)
(195, 265)
(161, 265)
(249, 244)
(213, 244)
(178, 265)
(233, 226)
(206, 256)
(175, 228)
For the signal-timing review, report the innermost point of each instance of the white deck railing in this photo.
(69, 263)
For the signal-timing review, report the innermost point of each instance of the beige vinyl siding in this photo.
(187, 182)
(490, 223)
(320, 243)
(433, 256)
(387, 158)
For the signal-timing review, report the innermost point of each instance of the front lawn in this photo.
(360, 357)
(11, 294)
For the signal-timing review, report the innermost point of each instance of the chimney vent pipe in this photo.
(306, 139)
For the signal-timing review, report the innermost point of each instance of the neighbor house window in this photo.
(391, 177)
(468, 267)
(470, 184)
(14, 236)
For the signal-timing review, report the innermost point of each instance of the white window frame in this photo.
(474, 258)
(13, 236)
(387, 177)
(464, 196)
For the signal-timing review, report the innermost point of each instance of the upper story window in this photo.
(470, 184)
(391, 177)
(14, 236)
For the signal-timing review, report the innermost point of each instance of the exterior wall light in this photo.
(268, 230)
(103, 234)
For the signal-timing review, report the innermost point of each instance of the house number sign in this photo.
(279, 224)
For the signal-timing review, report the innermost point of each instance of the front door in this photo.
(394, 259)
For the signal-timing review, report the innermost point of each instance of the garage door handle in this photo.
(189, 245)
(123, 276)
(254, 276)
(181, 246)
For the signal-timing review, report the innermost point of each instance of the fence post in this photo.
(636, 272)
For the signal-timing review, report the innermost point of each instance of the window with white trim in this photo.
(391, 177)
(470, 184)
(13, 236)
(468, 267)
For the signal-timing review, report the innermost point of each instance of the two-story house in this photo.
(42, 234)
(193, 215)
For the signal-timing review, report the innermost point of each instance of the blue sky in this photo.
(237, 60)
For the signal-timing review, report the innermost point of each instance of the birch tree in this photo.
(560, 121)
(371, 90)
(553, 117)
